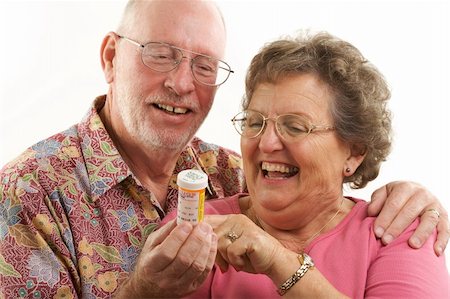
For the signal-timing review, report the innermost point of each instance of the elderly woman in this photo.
(314, 118)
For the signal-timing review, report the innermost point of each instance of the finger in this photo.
(212, 252)
(222, 259)
(197, 261)
(428, 222)
(392, 204)
(236, 251)
(189, 265)
(162, 255)
(222, 225)
(215, 220)
(221, 262)
(377, 201)
(443, 229)
(403, 217)
(236, 255)
(210, 261)
(223, 242)
(160, 234)
(198, 244)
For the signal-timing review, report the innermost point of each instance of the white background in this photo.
(50, 70)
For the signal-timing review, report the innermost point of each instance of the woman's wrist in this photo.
(312, 283)
(284, 264)
(306, 263)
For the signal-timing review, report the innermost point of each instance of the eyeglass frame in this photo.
(311, 127)
(181, 50)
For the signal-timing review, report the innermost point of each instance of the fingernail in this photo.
(439, 250)
(387, 239)
(379, 231)
(415, 242)
(185, 227)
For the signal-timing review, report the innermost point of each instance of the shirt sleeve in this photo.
(400, 271)
(35, 259)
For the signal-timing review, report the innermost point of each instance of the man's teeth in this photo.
(279, 167)
(173, 109)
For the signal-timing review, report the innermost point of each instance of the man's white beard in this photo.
(147, 135)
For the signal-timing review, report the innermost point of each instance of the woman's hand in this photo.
(243, 244)
(246, 247)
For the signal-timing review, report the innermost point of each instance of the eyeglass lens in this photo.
(164, 58)
(251, 124)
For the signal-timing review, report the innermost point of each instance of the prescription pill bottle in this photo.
(191, 195)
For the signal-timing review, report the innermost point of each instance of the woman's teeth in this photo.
(277, 170)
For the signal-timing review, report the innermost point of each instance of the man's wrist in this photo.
(128, 289)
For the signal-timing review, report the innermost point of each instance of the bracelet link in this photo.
(306, 263)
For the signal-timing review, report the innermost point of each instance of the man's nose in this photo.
(181, 80)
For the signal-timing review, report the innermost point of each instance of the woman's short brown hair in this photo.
(360, 112)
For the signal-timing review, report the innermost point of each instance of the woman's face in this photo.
(283, 177)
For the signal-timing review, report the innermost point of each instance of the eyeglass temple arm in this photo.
(131, 41)
(322, 128)
(231, 71)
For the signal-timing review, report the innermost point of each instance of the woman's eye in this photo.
(294, 127)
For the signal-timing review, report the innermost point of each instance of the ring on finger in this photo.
(232, 236)
(435, 212)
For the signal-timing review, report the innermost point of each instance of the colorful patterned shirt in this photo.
(73, 217)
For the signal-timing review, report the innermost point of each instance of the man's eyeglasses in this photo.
(162, 57)
(290, 127)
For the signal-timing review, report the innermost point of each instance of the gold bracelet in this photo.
(305, 263)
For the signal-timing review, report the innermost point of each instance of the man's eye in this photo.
(161, 57)
(205, 67)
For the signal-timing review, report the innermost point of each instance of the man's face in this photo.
(164, 110)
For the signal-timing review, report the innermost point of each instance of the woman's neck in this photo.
(299, 237)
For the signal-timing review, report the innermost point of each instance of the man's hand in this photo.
(397, 204)
(174, 262)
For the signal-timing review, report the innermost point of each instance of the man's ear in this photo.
(357, 154)
(107, 55)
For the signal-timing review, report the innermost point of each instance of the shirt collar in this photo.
(105, 167)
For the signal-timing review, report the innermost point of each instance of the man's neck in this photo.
(153, 167)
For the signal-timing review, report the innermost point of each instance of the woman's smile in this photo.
(278, 171)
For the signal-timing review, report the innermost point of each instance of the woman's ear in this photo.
(356, 157)
(107, 55)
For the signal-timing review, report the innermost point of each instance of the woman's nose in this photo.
(270, 140)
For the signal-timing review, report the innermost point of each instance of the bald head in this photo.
(191, 24)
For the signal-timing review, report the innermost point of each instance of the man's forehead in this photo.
(199, 28)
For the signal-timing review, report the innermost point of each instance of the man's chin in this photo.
(171, 143)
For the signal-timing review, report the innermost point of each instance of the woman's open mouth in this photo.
(278, 170)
